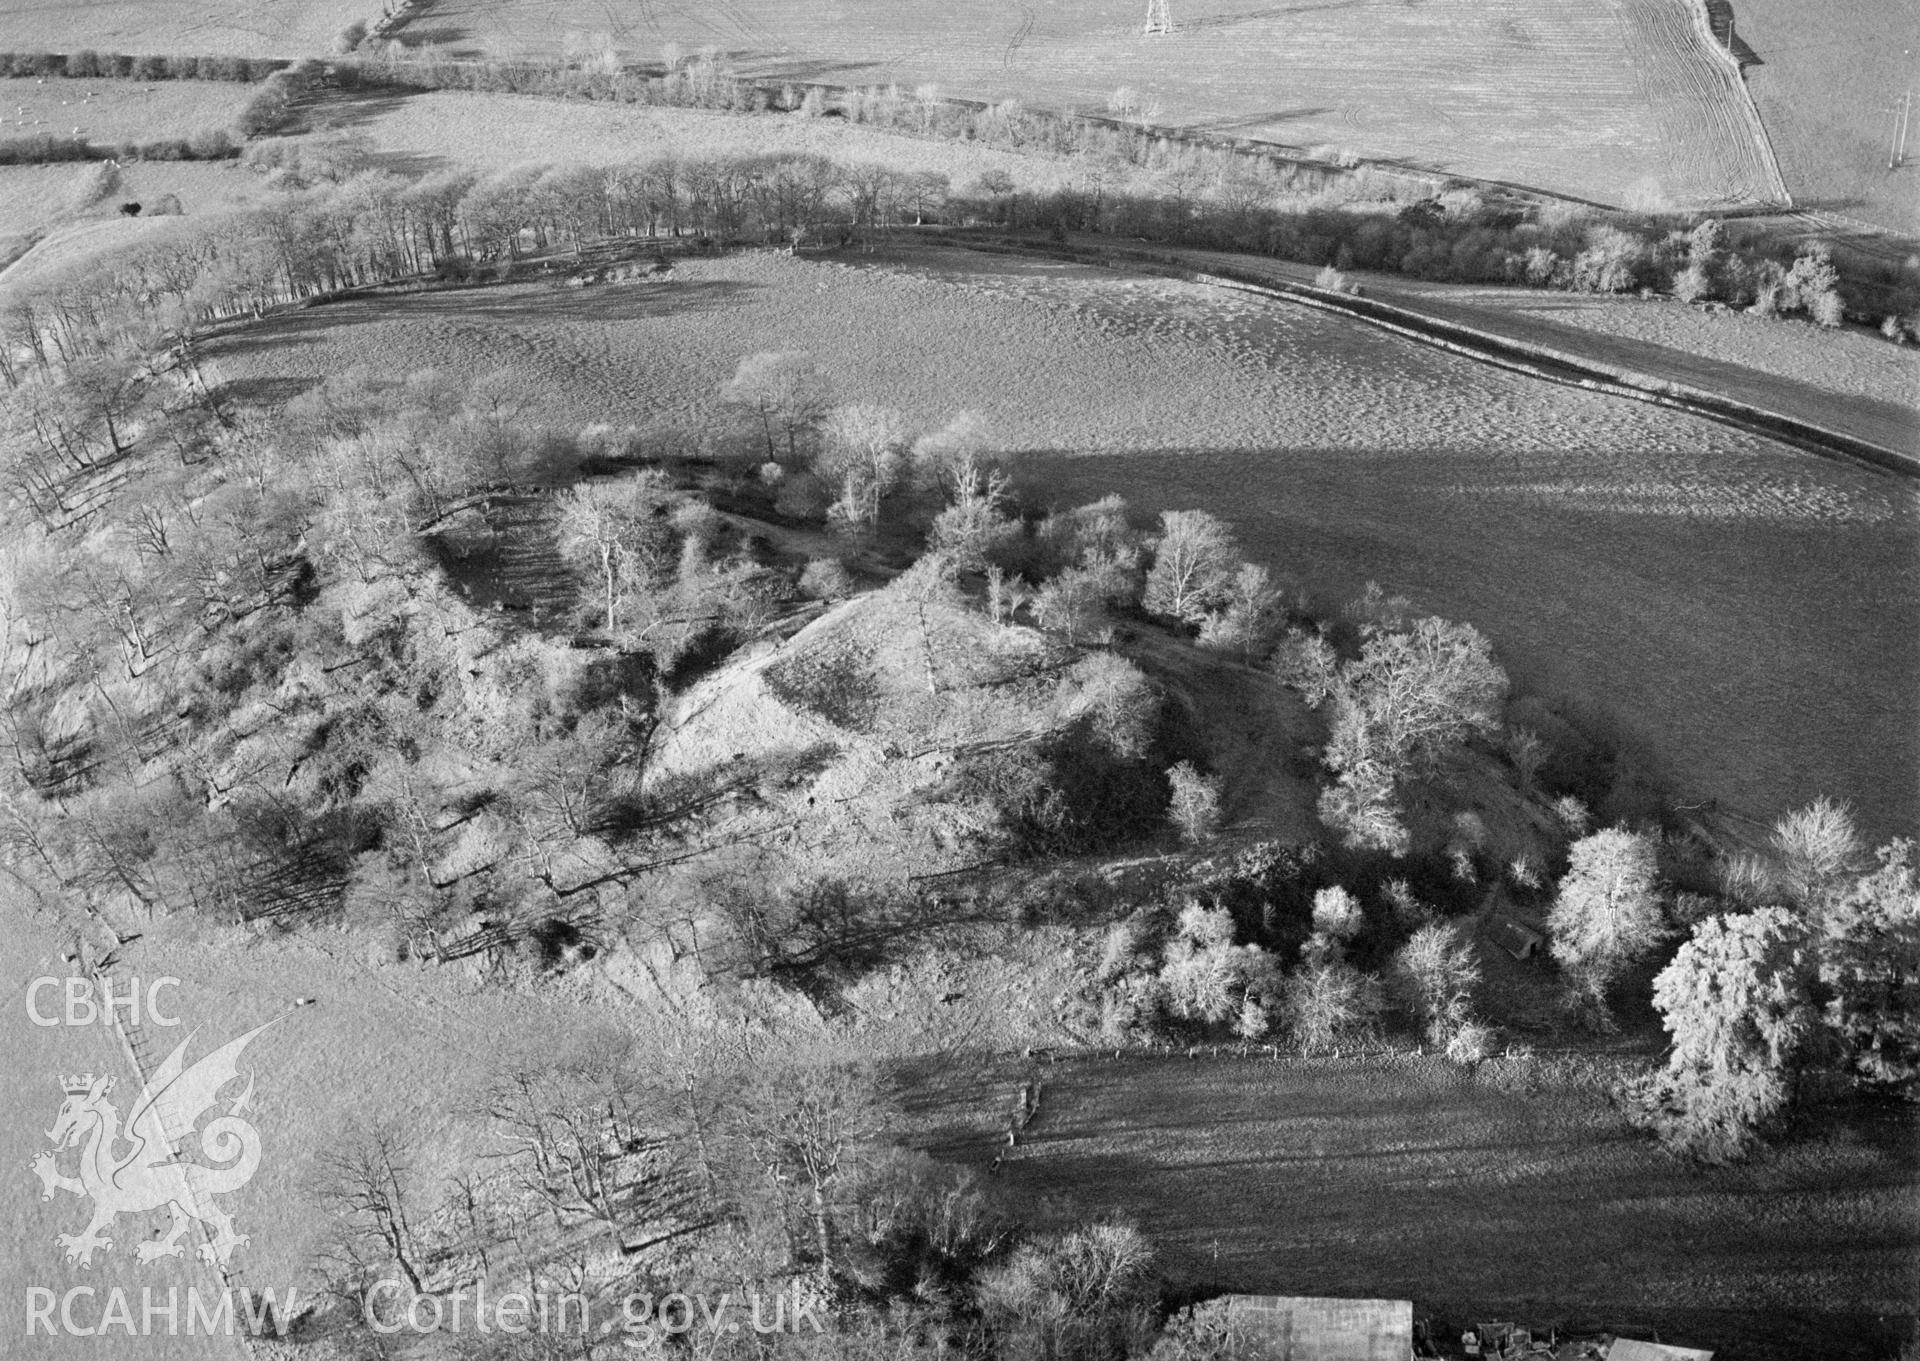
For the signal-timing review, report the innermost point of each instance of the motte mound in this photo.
(857, 735)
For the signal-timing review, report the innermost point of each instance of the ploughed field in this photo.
(1620, 101)
(1747, 613)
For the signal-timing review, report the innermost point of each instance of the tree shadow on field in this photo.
(263, 391)
(354, 110)
(440, 35)
(1254, 16)
(411, 165)
(813, 68)
(540, 300)
(1241, 122)
(270, 333)
(525, 304)
(348, 108)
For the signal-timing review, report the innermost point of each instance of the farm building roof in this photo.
(1631, 1349)
(1514, 936)
(1304, 1328)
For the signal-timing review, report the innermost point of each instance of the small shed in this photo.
(1631, 1349)
(1308, 1328)
(1514, 936)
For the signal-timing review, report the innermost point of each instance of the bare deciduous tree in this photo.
(1081, 1294)
(863, 453)
(787, 396)
(1435, 973)
(1248, 618)
(1194, 804)
(1329, 1005)
(1193, 566)
(614, 530)
(1073, 604)
(808, 1119)
(369, 1184)
(975, 525)
(1413, 694)
(591, 1141)
(1608, 913)
(1818, 849)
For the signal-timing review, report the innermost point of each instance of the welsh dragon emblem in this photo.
(148, 1175)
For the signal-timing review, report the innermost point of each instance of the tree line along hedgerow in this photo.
(88, 64)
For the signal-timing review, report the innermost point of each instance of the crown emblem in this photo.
(78, 1085)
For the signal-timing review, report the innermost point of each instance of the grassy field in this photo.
(1514, 1192)
(53, 216)
(1698, 584)
(1825, 86)
(114, 111)
(1617, 101)
(193, 27)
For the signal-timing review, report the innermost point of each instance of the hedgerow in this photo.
(90, 65)
(43, 149)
